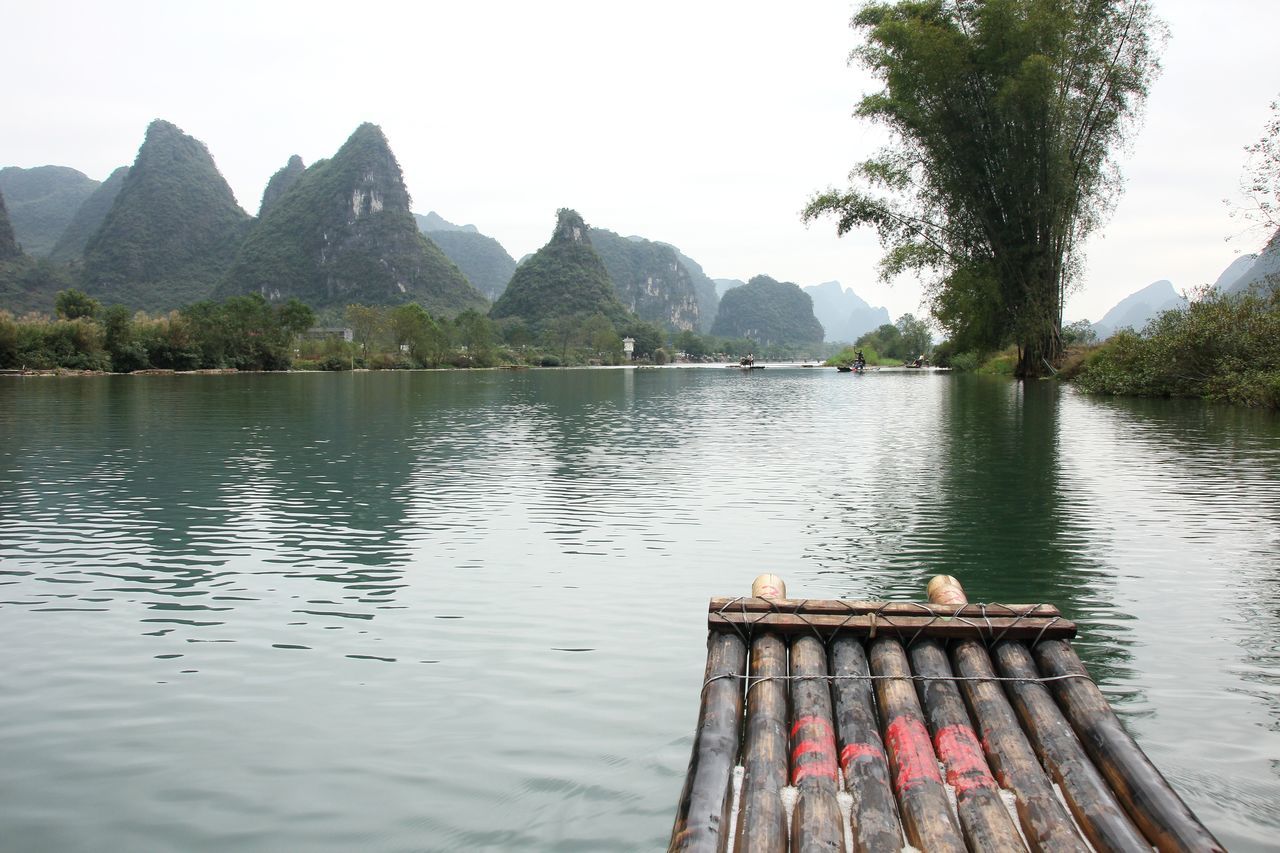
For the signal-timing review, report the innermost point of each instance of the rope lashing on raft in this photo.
(877, 616)
(1045, 679)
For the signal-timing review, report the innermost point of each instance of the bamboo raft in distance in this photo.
(946, 726)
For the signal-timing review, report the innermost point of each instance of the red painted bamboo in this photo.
(983, 816)
(816, 823)
(922, 800)
(1046, 825)
(874, 815)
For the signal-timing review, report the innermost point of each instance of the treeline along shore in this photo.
(250, 333)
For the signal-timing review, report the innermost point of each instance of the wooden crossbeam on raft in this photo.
(903, 627)
(901, 701)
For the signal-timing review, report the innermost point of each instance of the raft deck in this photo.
(942, 725)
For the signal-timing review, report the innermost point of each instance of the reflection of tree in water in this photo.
(1215, 470)
(194, 483)
(1011, 524)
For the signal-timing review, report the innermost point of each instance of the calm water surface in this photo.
(466, 611)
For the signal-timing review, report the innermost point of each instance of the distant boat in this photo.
(745, 366)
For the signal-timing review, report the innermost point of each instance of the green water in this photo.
(466, 611)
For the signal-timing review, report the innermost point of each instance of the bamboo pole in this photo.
(703, 815)
(816, 823)
(762, 818)
(982, 813)
(1045, 823)
(1091, 801)
(922, 801)
(874, 815)
(1154, 806)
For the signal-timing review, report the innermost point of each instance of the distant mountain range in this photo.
(166, 232)
(844, 315)
(1139, 308)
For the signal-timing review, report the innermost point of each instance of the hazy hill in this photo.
(172, 231)
(482, 259)
(343, 234)
(649, 279)
(768, 312)
(26, 283)
(435, 222)
(89, 218)
(1234, 271)
(724, 285)
(280, 183)
(1138, 309)
(42, 201)
(563, 278)
(844, 315)
(1263, 266)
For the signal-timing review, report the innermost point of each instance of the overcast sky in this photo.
(703, 123)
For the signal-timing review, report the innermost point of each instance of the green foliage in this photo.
(343, 234)
(172, 231)
(1079, 333)
(88, 218)
(649, 279)
(74, 304)
(1005, 113)
(769, 312)
(562, 279)
(1220, 347)
(29, 284)
(41, 344)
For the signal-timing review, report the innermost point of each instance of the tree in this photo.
(367, 322)
(1004, 114)
(1260, 183)
(413, 327)
(915, 336)
(74, 304)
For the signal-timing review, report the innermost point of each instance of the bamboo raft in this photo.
(944, 726)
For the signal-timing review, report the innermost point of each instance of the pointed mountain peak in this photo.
(280, 182)
(343, 233)
(570, 227)
(172, 229)
(564, 277)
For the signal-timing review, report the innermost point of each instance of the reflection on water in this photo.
(464, 611)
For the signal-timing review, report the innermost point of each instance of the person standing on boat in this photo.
(859, 362)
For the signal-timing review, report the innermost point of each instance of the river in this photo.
(466, 611)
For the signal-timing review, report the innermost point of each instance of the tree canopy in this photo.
(1005, 116)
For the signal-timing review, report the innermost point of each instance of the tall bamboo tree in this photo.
(1005, 115)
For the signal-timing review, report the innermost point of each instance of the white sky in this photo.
(704, 123)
